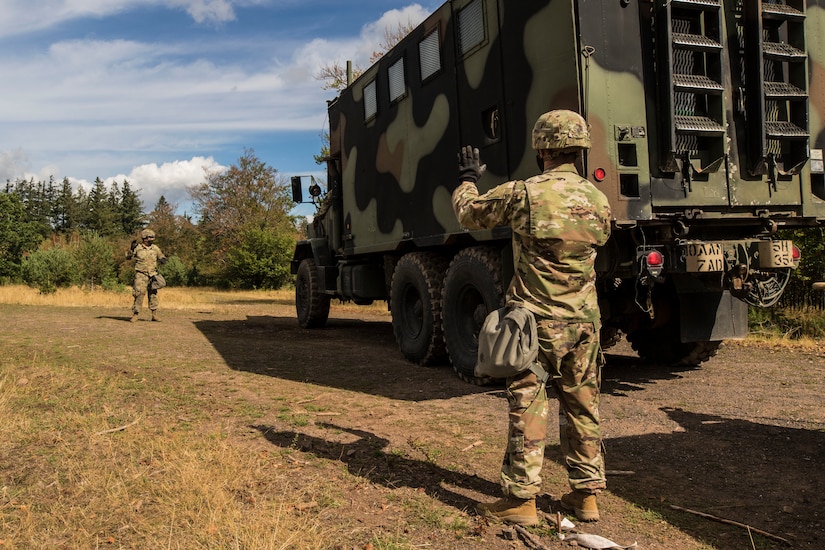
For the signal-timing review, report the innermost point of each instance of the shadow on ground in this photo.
(348, 354)
(362, 356)
(765, 476)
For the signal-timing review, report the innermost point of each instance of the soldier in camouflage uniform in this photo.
(147, 256)
(558, 219)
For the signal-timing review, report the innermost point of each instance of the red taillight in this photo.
(797, 255)
(655, 259)
(599, 174)
(654, 262)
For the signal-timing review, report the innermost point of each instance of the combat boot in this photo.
(134, 317)
(155, 317)
(511, 510)
(582, 504)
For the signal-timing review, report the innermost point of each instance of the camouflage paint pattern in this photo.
(146, 266)
(393, 165)
(140, 288)
(557, 220)
(391, 174)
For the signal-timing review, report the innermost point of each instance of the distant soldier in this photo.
(558, 219)
(147, 256)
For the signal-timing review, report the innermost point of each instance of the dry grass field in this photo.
(226, 426)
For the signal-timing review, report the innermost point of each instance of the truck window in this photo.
(470, 26)
(397, 80)
(429, 55)
(370, 101)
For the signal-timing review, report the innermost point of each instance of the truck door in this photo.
(479, 83)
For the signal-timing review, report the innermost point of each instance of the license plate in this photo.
(776, 254)
(705, 257)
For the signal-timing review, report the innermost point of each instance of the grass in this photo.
(87, 465)
(176, 298)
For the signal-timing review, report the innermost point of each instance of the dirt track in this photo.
(742, 438)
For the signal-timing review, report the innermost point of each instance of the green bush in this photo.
(49, 269)
(260, 260)
(787, 322)
(175, 272)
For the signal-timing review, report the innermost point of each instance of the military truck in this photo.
(708, 129)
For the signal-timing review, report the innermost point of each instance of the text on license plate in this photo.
(705, 257)
(776, 254)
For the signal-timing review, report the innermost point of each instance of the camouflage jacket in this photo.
(146, 258)
(558, 219)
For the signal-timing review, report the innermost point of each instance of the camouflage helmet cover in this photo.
(561, 129)
(146, 233)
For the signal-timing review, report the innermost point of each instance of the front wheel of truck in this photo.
(311, 305)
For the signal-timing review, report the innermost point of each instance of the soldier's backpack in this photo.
(508, 344)
(157, 282)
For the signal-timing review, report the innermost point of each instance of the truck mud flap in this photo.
(712, 316)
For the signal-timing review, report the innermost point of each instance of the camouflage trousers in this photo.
(141, 288)
(570, 352)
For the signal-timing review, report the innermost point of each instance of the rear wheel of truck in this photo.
(415, 302)
(472, 289)
(311, 305)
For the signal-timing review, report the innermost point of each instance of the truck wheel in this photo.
(609, 337)
(664, 346)
(311, 305)
(472, 289)
(415, 302)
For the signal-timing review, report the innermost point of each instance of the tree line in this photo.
(241, 236)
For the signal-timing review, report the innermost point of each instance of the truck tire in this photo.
(311, 305)
(609, 337)
(663, 345)
(472, 289)
(415, 303)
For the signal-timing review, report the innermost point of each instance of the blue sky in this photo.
(157, 91)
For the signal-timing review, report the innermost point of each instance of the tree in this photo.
(18, 235)
(246, 199)
(130, 209)
(49, 268)
(335, 76)
(95, 259)
(261, 259)
(102, 210)
(176, 235)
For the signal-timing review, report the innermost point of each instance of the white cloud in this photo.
(12, 164)
(209, 11)
(170, 179)
(21, 16)
(88, 107)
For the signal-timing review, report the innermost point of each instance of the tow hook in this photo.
(738, 280)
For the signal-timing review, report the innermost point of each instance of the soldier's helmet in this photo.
(561, 129)
(147, 233)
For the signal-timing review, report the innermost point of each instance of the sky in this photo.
(161, 92)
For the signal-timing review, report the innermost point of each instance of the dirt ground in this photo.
(741, 439)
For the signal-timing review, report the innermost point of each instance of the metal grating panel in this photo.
(429, 54)
(781, 11)
(698, 125)
(696, 4)
(784, 51)
(783, 90)
(697, 83)
(782, 129)
(695, 42)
